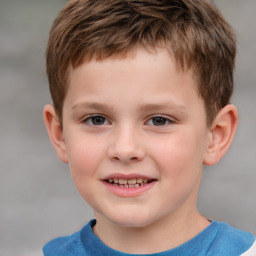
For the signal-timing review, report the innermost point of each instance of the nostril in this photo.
(125, 153)
(129, 159)
(126, 159)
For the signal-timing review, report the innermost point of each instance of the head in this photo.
(140, 92)
(193, 31)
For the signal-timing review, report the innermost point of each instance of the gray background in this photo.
(37, 198)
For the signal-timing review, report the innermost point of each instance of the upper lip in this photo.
(127, 176)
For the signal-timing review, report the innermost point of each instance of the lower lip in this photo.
(129, 192)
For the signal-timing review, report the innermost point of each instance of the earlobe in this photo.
(221, 134)
(55, 132)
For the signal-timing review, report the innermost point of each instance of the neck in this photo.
(163, 235)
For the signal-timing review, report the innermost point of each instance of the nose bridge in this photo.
(126, 144)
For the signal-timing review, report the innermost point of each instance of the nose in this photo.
(126, 146)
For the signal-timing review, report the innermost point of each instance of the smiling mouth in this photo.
(129, 183)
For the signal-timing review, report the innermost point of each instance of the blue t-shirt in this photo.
(218, 239)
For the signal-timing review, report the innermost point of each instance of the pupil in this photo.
(98, 120)
(159, 121)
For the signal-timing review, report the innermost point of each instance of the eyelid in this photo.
(168, 119)
(88, 117)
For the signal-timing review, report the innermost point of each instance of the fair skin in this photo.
(133, 119)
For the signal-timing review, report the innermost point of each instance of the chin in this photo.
(129, 220)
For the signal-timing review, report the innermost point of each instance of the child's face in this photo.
(130, 119)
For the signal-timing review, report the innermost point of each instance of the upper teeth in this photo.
(130, 181)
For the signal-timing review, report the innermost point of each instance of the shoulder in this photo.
(67, 245)
(251, 251)
(232, 241)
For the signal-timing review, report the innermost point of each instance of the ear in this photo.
(55, 132)
(221, 134)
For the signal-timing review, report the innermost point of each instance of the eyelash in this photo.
(160, 118)
(90, 120)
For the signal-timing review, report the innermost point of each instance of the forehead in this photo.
(102, 55)
(140, 68)
(158, 58)
(130, 56)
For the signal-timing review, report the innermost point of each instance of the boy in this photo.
(141, 103)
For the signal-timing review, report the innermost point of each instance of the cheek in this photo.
(181, 167)
(84, 159)
(84, 156)
(179, 157)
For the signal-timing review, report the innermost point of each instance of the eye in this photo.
(96, 120)
(159, 121)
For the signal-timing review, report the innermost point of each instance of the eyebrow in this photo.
(141, 108)
(162, 106)
(92, 105)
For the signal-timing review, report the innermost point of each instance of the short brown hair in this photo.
(194, 31)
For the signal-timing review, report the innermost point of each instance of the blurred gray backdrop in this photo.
(37, 198)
